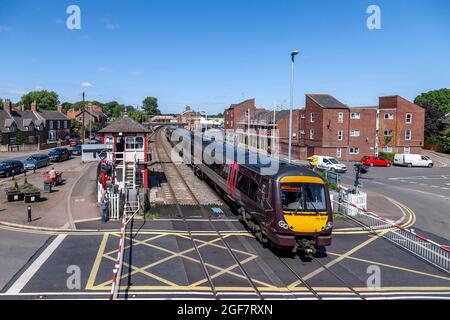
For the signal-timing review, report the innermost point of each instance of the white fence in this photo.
(357, 200)
(114, 200)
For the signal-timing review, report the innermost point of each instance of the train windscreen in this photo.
(298, 197)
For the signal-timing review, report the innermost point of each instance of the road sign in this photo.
(95, 152)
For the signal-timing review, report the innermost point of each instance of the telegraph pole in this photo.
(84, 110)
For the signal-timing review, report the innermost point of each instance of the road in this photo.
(426, 191)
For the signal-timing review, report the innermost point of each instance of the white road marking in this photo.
(36, 265)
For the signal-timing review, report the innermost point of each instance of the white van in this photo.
(330, 163)
(412, 160)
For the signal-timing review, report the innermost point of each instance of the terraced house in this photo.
(326, 126)
(31, 129)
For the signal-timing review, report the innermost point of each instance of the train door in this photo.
(231, 181)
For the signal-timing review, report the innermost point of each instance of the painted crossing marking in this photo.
(36, 265)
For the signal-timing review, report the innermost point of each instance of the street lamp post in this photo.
(293, 54)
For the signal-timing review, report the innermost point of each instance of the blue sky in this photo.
(211, 53)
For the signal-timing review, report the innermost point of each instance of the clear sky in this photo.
(211, 53)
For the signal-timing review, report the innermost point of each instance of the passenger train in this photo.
(288, 208)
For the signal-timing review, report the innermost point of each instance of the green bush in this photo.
(387, 155)
(331, 185)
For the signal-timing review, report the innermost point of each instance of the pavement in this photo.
(53, 211)
(439, 159)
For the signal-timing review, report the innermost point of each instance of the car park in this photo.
(76, 151)
(412, 160)
(36, 161)
(15, 165)
(376, 161)
(330, 163)
(59, 154)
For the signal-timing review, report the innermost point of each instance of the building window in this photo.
(51, 124)
(340, 117)
(408, 135)
(340, 135)
(65, 124)
(338, 153)
(31, 139)
(134, 143)
(355, 115)
(312, 117)
(409, 118)
(355, 133)
(407, 150)
(387, 149)
(388, 116)
(354, 150)
(388, 133)
(58, 124)
(311, 134)
(109, 140)
(302, 116)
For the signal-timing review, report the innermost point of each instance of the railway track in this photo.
(175, 175)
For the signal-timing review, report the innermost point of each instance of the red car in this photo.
(375, 161)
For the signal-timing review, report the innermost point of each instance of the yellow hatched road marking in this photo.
(391, 266)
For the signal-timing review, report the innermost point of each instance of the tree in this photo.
(150, 106)
(75, 128)
(44, 99)
(136, 115)
(1, 103)
(66, 106)
(436, 104)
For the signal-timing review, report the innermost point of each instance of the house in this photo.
(129, 141)
(32, 129)
(329, 127)
(349, 133)
(190, 118)
(92, 114)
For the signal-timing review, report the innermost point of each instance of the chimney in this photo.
(33, 106)
(59, 108)
(7, 105)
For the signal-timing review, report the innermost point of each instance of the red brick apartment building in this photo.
(326, 126)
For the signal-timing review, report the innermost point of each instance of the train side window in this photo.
(263, 197)
(253, 190)
(242, 183)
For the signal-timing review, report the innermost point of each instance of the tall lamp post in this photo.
(293, 54)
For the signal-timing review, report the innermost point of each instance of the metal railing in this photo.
(426, 249)
(131, 208)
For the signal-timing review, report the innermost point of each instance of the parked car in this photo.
(375, 161)
(59, 154)
(412, 160)
(5, 170)
(36, 161)
(76, 151)
(330, 163)
(15, 165)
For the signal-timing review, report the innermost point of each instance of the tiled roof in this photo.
(327, 102)
(52, 115)
(125, 125)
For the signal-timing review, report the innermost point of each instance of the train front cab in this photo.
(304, 205)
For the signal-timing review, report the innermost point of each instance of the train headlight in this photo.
(283, 224)
(329, 225)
